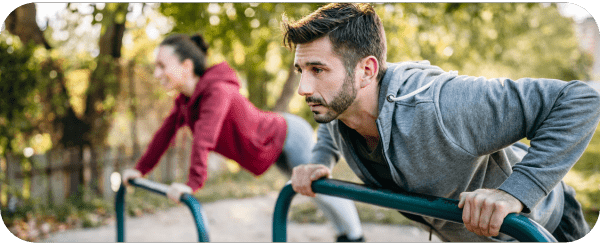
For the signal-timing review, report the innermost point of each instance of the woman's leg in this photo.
(296, 151)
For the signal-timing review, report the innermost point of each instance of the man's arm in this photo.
(325, 150)
(485, 116)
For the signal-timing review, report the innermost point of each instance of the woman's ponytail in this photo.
(199, 41)
(189, 47)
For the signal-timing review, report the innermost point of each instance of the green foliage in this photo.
(139, 202)
(17, 81)
(486, 39)
(584, 177)
(35, 219)
(242, 184)
(307, 212)
(481, 39)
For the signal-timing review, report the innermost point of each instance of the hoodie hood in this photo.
(217, 75)
(407, 88)
(402, 83)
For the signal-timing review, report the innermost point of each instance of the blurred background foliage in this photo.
(489, 39)
(78, 83)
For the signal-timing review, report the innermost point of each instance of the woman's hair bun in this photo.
(199, 41)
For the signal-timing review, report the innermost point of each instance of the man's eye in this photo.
(299, 70)
(317, 70)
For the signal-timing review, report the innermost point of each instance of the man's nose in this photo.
(305, 88)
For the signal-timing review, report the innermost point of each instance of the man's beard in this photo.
(340, 102)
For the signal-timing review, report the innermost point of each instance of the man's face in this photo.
(328, 90)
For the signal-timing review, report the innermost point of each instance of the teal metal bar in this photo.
(161, 189)
(517, 226)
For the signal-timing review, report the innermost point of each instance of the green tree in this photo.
(16, 85)
(49, 94)
(486, 39)
(482, 39)
(104, 80)
(20, 114)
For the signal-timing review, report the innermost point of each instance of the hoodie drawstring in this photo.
(392, 98)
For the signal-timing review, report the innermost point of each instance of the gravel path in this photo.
(242, 220)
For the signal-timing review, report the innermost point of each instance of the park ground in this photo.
(232, 220)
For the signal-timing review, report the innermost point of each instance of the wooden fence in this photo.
(53, 175)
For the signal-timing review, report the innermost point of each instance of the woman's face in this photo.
(171, 72)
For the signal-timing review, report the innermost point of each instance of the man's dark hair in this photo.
(189, 47)
(354, 30)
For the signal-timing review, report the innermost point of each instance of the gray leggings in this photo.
(296, 151)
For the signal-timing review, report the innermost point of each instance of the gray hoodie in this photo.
(445, 134)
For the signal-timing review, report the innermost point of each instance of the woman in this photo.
(224, 121)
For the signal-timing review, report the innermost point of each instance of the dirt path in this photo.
(243, 220)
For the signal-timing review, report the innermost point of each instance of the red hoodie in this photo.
(223, 121)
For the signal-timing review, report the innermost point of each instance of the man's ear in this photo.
(370, 68)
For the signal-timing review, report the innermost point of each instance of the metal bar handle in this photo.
(514, 225)
(161, 189)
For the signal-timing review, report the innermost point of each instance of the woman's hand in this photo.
(130, 174)
(176, 190)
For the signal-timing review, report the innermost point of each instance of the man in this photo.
(412, 126)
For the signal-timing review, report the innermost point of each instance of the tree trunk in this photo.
(76, 167)
(21, 22)
(287, 93)
(257, 89)
(104, 80)
(133, 109)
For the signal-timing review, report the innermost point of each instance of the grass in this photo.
(35, 219)
(584, 177)
(308, 212)
(242, 184)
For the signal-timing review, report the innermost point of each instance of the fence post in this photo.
(58, 177)
(92, 157)
(107, 170)
(13, 167)
(2, 181)
(76, 173)
(39, 178)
